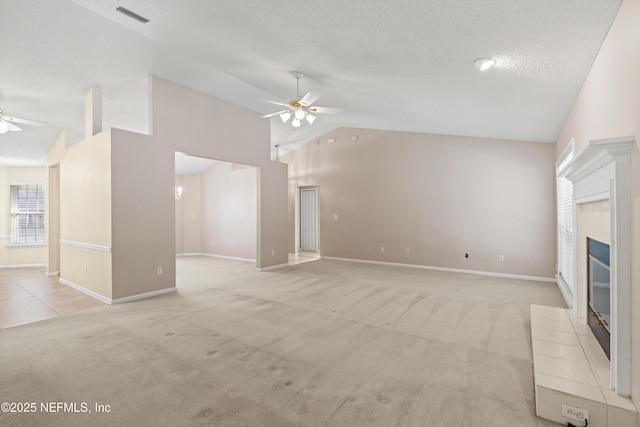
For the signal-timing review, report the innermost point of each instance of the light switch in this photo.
(335, 216)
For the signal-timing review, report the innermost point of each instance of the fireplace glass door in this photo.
(599, 290)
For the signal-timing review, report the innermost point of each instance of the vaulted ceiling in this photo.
(390, 64)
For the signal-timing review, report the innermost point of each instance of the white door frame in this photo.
(297, 216)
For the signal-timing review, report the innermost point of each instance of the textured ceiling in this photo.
(390, 64)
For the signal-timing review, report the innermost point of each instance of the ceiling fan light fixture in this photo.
(285, 116)
(310, 118)
(299, 114)
(483, 64)
(296, 123)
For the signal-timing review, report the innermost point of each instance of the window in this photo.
(27, 214)
(565, 221)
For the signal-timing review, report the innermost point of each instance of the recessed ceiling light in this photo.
(484, 64)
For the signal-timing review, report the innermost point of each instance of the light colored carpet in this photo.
(320, 343)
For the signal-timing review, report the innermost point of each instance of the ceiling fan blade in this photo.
(24, 121)
(273, 102)
(326, 110)
(266, 116)
(12, 127)
(310, 98)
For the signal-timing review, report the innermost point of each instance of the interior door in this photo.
(309, 219)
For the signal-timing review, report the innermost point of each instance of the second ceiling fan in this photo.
(299, 108)
(8, 123)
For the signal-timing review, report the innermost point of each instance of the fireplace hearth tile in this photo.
(589, 341)
(555, 336)
(561, 351)
(570, 387)
(582, 329)
(579, 372)
(574, 372)
(556, 325)
(550, 314)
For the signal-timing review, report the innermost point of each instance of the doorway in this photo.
(216, 209)
(309, 219)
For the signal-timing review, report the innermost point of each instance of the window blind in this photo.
(565, 230)
(27, 214)
(564, 191)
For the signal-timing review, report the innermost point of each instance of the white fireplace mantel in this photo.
(602, 171)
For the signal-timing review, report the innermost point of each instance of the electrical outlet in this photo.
(407, 251)
(382, 249)
(574, 413)
(158, 271)
(273, 252)
(501, 258)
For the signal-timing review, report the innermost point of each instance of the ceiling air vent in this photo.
(132, 15)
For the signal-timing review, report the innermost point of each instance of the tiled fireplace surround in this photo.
(570, 367)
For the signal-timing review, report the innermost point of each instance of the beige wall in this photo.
(117, 205)
(197, 124)
(218, 211)
(53, 219)
(16, 256)
(52, 205)
(609, 106)
(85, 194)
(85, 214)
(179, 219)
(143, 207)
(229, 221)
(191, 203)
(142, 214)
(439, 196)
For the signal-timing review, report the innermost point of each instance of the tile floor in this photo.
(303, 256)
(571, 368)
(27, 295)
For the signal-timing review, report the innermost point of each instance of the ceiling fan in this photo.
(7, 123)
(300, 107)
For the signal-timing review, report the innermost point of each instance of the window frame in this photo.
(38, 237)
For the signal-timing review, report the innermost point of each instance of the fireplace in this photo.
(599, 292)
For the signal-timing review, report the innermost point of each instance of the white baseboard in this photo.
(273, 267)
(144, 296)
(22, 265)
(106, 300)
(53, 273)
(450, 270)
(232, 258)
(89, 292)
